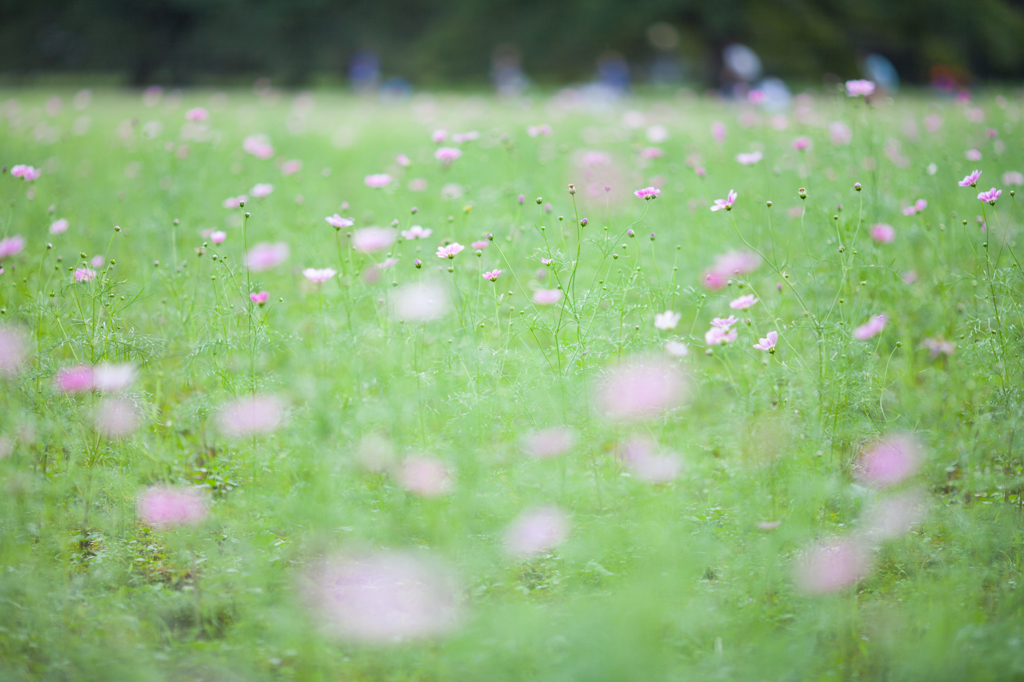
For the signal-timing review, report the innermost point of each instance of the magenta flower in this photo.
(749, 159)
(971, 180)
(726, 203)
(652, 152)
(1015, 178)
(536, 531)
(768, 343)
(383, 597)
(873, 327)
(417, 232)
(889, 461)
(370, 239)
(259, 146)
(78, 379)
(403, 160)
(990, 196)
(319, 276)
(218, 236)
(667, 320)
(11, 246)
(972, 155)
(439, 136)
(449, 251)
(291, 167)
(647, 193)
(264, 256)
(547, 261)
(84, 274)
(883, 233)
(261, 190)
(13, 351)
(801, 143)
(447, 154)
(425, 476)
(251, 416)
(549, 442)
(339, 222)
(378, 180)
(832, 566)
(260, 298)
(719, 336)
(59, 226)
(547, 296)
(859, 88)
(164, 507)
(492, 276)
(641, 389)
(26, 173)
(196, 114)
(743, 302)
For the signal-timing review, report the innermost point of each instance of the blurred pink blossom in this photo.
(112, 377)
(416, 232)
(339, 222)
(370, 239)
(420, 301)
(801, 143)
(536, 531)
(667, 320)
(889, 460)
(726, 203)
(493, 275)
(11, 246)
(833, 565)
(768, 343)
(117, 417)
(251, 416)
(641, 388)
(258, 145)
(13, 351)
(235, 202)
(647, 193)
(547, 296)
(59, 226)
(377, 180)
(749, 159)
(971, 180)
(319, 276)
(196, 114)
(218, 236)
(450, 251)
(859, 88)
(972, 155)
(264, 256)
(840, 133)
(718, 131)
(425, 476)
(549, 442)
(743, 302)
(641, 457)
(938, 346)
(883, 233)
(872, 327)
(260, 298)
(261, 190)
(890, 517)
(84, 274)
(164, 507)
(447, 154)
(291, 167)
(1013, 178)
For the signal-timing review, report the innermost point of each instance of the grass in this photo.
(667, 581)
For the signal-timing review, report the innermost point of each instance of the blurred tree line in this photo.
(432, 42)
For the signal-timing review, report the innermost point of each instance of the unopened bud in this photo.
(802, 192)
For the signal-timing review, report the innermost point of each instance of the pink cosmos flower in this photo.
(859, 88)
(420, 302)
(403, 160)
(883, 233)
(449, 251)
(641, 389)
(291, 167)
(97, 261)
(492, 276)
(990, 196)
(932, 123)
(467, 136)
(26, 173)
(251, 416)
(536, 531)
(667, 320)
(889, 461)
(197, 114)
(370, 239)
(873, 327)
(447, 154)
(261, 190)
(165, 507)
(112, 377)
(319, 276)
(938, 346)
(59, 226)
(831, 566)
(417, 232)
(677, 349)
(218, 236)
(647, 193)
(652, 152)
(116, 417)
(377, 180)
(1014, 178)
(547, 296)
(728, 265)
(718, 131)
(11, 246)
(644, 462)
(339, 222)
(84, 274)
(383, 597)
(971, 180)
(235, 202)
(543, 129)
(726, 203)
(265, 255)
(768, 343)
(260, 298)
(972, 155)
(78, 379)
(743, 302)
(549, 442)
(719, 336)
(893, 516)
(700, 171)
(439, 136)
(386, 263)
(840, 133)
(801, 143)
(258, 145)
(725, 323)
(749, 159)
(425, 476)
(482, 244)
(13, 351)
(547, 261)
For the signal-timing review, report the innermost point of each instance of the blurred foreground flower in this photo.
(872, 327)
(641, 389)
(640, 455)
(370, 239)
(117, 417)
(549, 442)
(420, 302)
(889, 461)
(833, 565)
(164, 507)
(251, 416)
(890, 517)
(536, 531)
(425, 476)
(13, 351)
(264, 256)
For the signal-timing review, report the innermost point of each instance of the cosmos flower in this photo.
(11, 246)
(259, 146)
(420, 301)
(640, 389)
(260, 298)
(197, 114)
(339, 222)
(677, 349)
(743, 302)
(768, 343)
(719, 336)
(801, 143)
(13, 351)
(859, 88)
(883, 233)
(377, 180)
(647, 193)
(536, 531)
(265, 255)
(319, 276)
(749, 159)
(250, 416)
(261, 190)
(59, 226)
(667, 320)
(889, 461)
(990, 196)
(549, 442)
(972, 155)
(872, 327)
(644, 462)
(116, 417)
(543, 129)
(971, 180)
(218, 236)
(425, 476)
(726, 203)
(26, 173)
(449, 251)
(417, 232)
(370, 239)
(492, 276)
(840, 133)
(547, 296)
(291, 167)
(938, 346)
(1015, 178)
(235, 202)
(832, 565)
(447, 154)
(84, 274)
(890, 517)
(163, 507)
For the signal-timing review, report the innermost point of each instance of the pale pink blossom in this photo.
(291, 167)
(403, 161)
(116, 417)
(859, 88)
(251, 416)
(370, 239)
(112, 377)
(97, 261)
(420, 301)
(260, 298)
(640, 389)
(743, 302)
(549, 442)
(547, 261)
(801, 143)
(990, 196)
(218, 236)
(439, 136)
(647, 193)
(725, 323)
(425, 476)
(749, 159)
(13, 351)
(11, 246)
(261, 190)
(266, 255)
(667, 320)
(77, 379)
(383, 597)
(319, 276)
(728, 265)
(377, 180)
(932, 123)
(872, 327)
(1013, 178)
(719, 336)
(971, 180)
(700, 171)
(883, 233)
(718, 131)
(450, 250)
(467, 136)
(536, 531)
(832, 565)
(889, 461)
(938, 346)
(417, 232)
(259, 146)
(840, 133)
(644, 462)
(677, 349)
(447, 154)
(890, 517)
(386, 263)
(417, 185)
(482, 244)
(972, 155)
(26, 173)
(768, 343)
(339, 222)
(547, 296)
(543, 129)
(235, 202)
(197, 114)
(164, 507)
(726, 203)
(652, 152)
(59, 226)
(84, 274)
(492, 276)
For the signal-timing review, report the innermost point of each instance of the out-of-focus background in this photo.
(397, 45)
